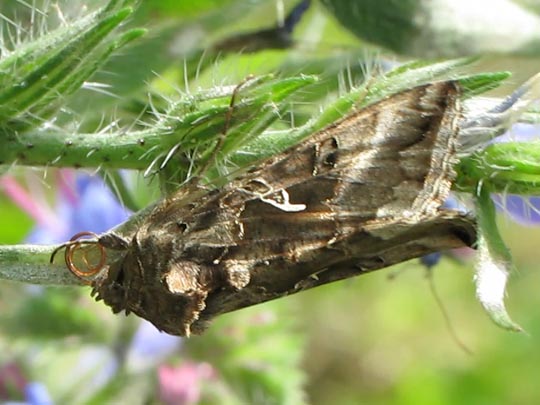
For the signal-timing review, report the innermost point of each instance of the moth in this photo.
(362, 194)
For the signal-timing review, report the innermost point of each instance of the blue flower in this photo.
(149, 347)
(83, 203)
(431, 259)
(36, 393)
(523, 210)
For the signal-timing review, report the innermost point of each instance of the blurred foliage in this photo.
(440, 28)
(370, 340)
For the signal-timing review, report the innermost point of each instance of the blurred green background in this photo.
(371, 340)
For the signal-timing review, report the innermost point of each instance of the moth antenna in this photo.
(434, 292)
(446, 316)
(222, 136)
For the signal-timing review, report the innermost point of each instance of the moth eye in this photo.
(182, 226)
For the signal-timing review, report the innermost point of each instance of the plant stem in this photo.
(31, 264)
(135, 150)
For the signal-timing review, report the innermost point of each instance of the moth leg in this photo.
(338, 272)
(222, 136)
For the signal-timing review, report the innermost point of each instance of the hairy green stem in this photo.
(510, 167)
(31, 264)
(135, 150)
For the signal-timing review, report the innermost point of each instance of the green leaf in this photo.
(388, 23)
(52, 315)
(494, 264)
(36, 77)
(479, 83)
(258, 353)
(431, 29)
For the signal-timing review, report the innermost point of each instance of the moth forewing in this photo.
(358, 195)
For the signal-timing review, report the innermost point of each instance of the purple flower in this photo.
(149, 347)
(431, 259)
(520, 133)
(13, 383)
(12, 380)
(36, 393)
(83, 203)
(523, 210)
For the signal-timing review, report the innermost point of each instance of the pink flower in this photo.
(181, 385)
(12, 380)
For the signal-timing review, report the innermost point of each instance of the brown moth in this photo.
(359, 195)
